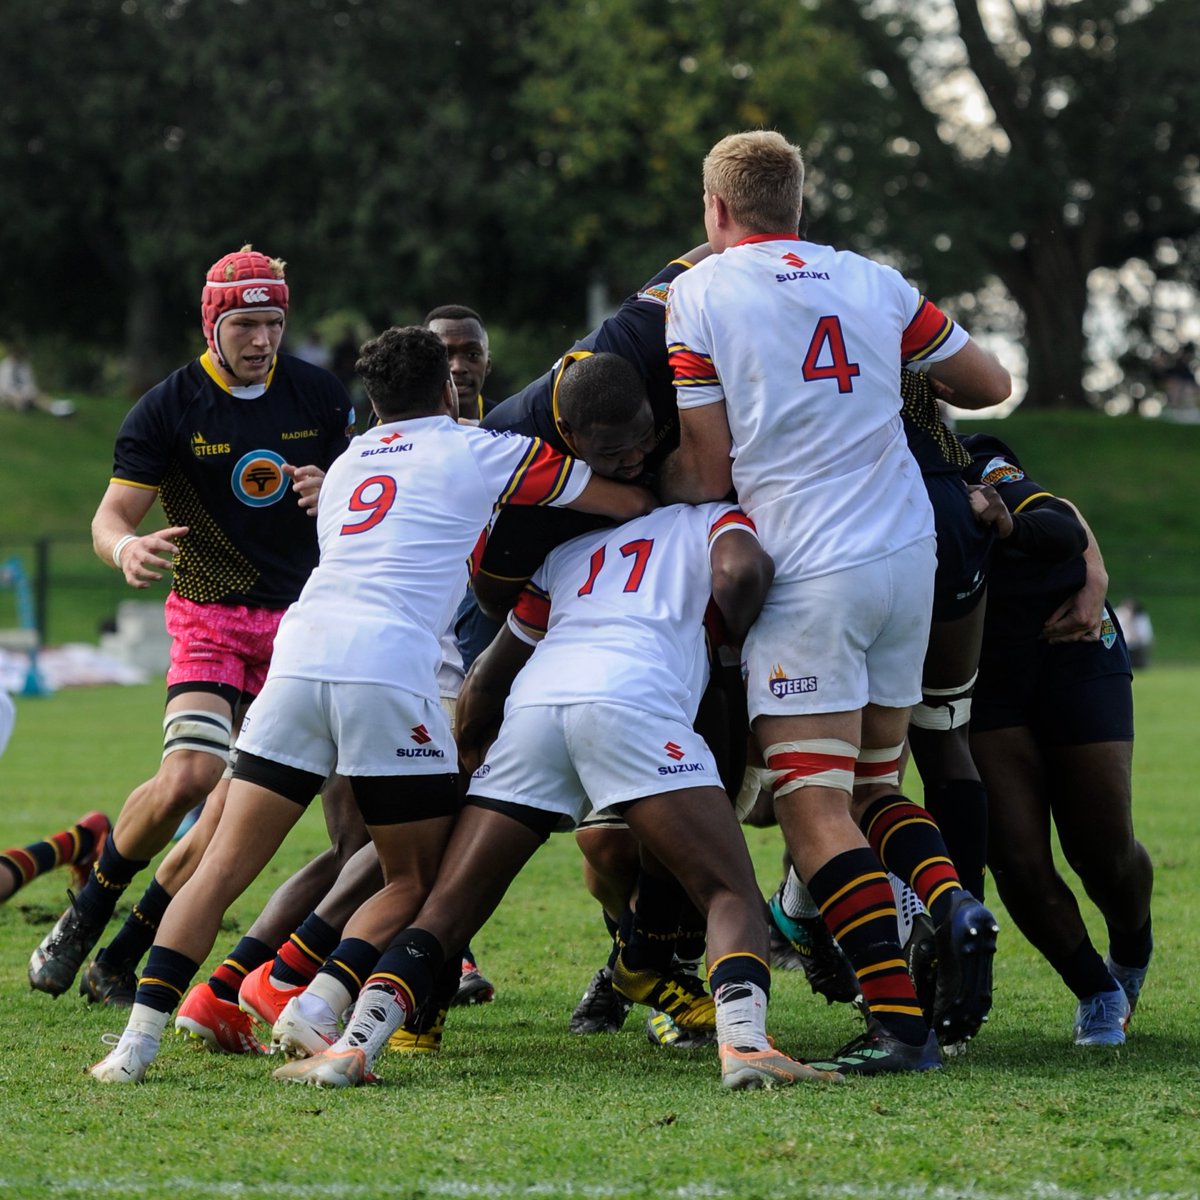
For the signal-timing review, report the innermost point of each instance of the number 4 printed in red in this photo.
(827, 343)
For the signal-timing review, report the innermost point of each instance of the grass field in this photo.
(1133, 479)
(515, 1107)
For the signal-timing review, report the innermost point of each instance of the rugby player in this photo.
(220, 443)
(786, 355)
(353, 680)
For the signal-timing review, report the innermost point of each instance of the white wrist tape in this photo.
(121, 544)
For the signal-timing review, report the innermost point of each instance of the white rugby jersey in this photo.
(400, 512)
(804, 344)
(623, 610)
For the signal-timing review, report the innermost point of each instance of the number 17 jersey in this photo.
(623, 611)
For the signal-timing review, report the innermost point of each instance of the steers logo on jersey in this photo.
(258, 479)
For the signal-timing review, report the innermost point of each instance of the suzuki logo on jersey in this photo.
(673, 751)
(794, 260)
(387, 445)
(782, 686)
(420, 735)
(255, 295)
(258, 479)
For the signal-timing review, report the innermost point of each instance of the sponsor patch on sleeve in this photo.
(1000, 470)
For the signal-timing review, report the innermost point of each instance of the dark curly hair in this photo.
(601, 389)
(404, 370)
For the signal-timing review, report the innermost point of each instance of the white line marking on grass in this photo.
(141, 1186)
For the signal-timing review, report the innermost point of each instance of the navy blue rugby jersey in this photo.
(521, 538)
(637, 332)
(216, 460)
(1025, 585)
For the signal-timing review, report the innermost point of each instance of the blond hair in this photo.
(760, 176)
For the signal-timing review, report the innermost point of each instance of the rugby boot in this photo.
(966, 946)
(302, 1030)
(825, 966)
(219, 1024)
(661, 1030)
(261, 999)
(877, 1052)
(600, 1010)
(745, 1070)
(329, 1068)
(55, 963)
(1100, 1019)
(1130, 979)
(473, 987)
(681, 997)
(102, 983)
(132, 1053)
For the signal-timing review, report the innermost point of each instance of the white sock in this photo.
(331, 993)
(796, 900)
(742, 1015)
(148, 1023)
(380, 1011)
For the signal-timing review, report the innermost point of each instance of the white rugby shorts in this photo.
(835, 643)
(355, 728)
(567, 758)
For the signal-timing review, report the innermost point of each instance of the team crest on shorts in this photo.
(258, 479)
(782, 685)
(1108, 630)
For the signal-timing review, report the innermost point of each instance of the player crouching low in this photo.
(601, 712)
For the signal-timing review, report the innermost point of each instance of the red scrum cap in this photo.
(245, 281)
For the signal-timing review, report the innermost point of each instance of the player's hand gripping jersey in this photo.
(623, 610)
(400, 512)
(216, 459)
(807, 344)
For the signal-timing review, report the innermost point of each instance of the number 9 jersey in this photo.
(399, 513)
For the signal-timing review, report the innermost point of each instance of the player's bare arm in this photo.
(494, 594)
(701, 469)
(742, 572)
(140, 558)
(481, 700)
(974, 375)
(608, 498)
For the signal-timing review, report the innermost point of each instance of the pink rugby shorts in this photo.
(220, 643)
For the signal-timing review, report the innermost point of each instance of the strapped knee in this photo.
(815, 762)
(944, 708)
(195, 729)
(879, 766)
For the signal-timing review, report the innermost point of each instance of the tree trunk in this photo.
(146, 358)
(1049, 285)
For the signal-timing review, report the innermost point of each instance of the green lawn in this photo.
(1133, 479)
(515, 1107)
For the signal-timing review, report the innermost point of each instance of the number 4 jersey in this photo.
(804, 344)
(623, 610)
(399, 513)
